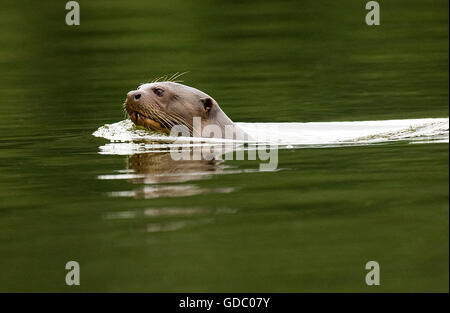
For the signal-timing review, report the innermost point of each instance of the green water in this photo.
(311, 226)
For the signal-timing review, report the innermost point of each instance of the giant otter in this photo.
(159, 106)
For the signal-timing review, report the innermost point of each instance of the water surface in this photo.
(137, 221)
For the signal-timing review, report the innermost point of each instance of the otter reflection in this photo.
(157, 172)
(155, 168)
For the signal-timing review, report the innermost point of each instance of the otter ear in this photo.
(208, 103)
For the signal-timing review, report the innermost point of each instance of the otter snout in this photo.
(134, 96)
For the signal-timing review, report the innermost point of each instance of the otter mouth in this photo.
(145, 121)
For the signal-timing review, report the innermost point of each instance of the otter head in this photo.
(160, 106)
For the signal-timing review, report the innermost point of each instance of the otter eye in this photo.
(158, 91)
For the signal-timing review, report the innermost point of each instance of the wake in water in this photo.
(151, 166)
(127, 139)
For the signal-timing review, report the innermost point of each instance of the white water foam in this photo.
(127, 139)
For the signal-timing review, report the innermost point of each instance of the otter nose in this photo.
(134, 95)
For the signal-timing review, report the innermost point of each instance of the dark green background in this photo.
(311, 226)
